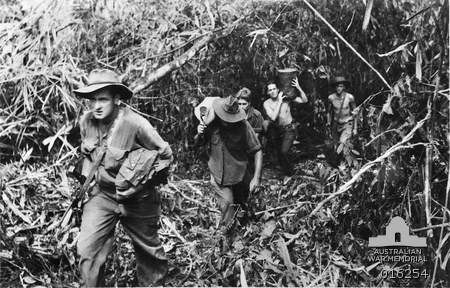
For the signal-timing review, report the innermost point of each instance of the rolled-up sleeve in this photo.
(253, 144)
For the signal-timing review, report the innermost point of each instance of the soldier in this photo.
(254, 117)
(109, 134)
(280, 128)
(341, 111)
(232, 142)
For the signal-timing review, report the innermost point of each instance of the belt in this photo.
(286, 127)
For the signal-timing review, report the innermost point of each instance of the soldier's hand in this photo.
(254, 184)
(201, 128)
(295, 83)
(87, 147)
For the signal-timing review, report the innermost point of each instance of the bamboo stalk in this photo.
(427, 187)
(430, 130)
(429, 160)
(447, 191)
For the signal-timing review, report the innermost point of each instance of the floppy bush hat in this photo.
(101, 78)
(228, 109)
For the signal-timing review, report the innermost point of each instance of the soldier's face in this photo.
(340, 88)
(272, 91)
(102, 104)
(243, 104)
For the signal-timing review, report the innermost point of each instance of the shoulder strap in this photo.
(342, 105)
(102, 152)
(94, 167)
(114, 127)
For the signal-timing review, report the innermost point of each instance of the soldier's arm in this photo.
(259, 125)
(82, 123)
(254, 147)
(258, 164)
(352, 103)
(354, 112)
(302, 98)
(200, 137)
(149, 138)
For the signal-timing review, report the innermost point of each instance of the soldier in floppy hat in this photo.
(101, 78)
(231, 142)
(112, 136)
(341, 111)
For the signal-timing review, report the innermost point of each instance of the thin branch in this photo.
(442, 226)
(400, 145)
(416, 14)
(381, 134)
(142, 113)
(176, 48)
(278, 16)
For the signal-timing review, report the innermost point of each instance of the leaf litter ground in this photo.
(276, 244)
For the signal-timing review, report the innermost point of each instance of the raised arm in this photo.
(302, 98)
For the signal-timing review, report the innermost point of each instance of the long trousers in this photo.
(140, 221)
(281, 139)
(228, 197)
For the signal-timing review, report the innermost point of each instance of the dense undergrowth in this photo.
(277, 244)
(397, 165)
